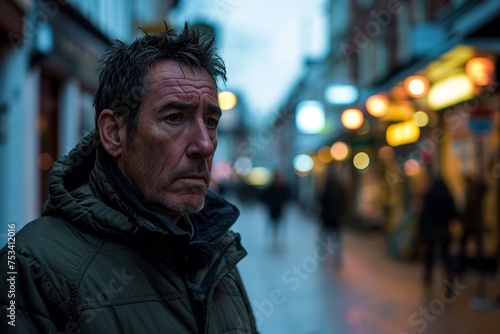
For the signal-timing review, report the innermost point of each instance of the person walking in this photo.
(437, 212)
(131, 239)
(274, 198)
(333, 208)
(472, 217)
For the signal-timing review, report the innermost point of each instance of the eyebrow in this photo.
(213, 108)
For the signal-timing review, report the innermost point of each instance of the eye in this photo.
(212, 122)
(174, 118)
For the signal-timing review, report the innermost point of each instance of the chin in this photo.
(197, 206)
(190, 203)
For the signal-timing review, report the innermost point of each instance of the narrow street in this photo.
(295, 288)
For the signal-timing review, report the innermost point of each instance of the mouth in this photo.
(196, 177)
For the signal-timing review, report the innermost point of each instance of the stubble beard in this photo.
(177, 206)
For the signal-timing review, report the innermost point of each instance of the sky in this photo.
(263, 43)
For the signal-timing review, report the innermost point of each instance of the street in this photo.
(295, 287)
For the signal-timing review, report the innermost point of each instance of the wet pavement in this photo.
(295, 287)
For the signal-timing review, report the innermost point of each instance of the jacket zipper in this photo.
(196, 306)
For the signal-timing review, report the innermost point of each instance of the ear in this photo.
(112, 132)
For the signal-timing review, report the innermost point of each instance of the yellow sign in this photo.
(450, 91)
(402, 133)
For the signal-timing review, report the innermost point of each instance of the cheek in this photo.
(149, 155)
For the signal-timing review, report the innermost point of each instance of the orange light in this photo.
(352, 119)
(339, 151)
(416, 86)
(377, 105)
(479, 70)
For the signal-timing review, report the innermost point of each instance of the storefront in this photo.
(67, 79)
(458, 139)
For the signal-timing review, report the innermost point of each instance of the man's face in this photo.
(169, 158)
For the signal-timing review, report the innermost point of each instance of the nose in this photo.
(202, 143)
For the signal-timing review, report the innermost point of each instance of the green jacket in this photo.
(91, 264)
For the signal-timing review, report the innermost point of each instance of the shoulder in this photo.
(51, 256)
(55, 244)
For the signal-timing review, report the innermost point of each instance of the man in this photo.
(131, 239)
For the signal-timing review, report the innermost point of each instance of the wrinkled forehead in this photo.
(169, 72)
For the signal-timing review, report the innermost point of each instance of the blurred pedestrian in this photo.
(333, 207)
(274, 197)
(472, 216)
(131, 239)
(437, 214)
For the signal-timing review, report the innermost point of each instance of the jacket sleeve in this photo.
(25, 304)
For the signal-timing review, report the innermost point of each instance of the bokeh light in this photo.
(339, 151)
(258, 176)
(341, 94)
(361, 160)
(402, 133)
(421, 118)
(227, 100)
(303, 163)
(416, 86)
(377, 105)
(352, 119)
(310, 117)
(411, 167)
(480, 70)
